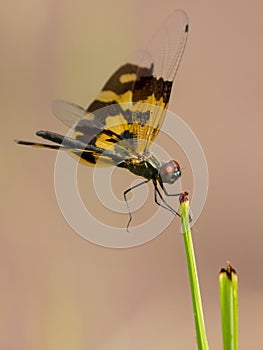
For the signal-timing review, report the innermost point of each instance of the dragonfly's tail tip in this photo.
(20, 142)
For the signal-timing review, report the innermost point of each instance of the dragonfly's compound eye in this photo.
(170, 171)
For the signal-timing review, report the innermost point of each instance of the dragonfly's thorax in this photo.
(147, 167)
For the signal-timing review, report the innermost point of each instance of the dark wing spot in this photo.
(148, 86)
(127, 135)
(87, 156)
(114, 83)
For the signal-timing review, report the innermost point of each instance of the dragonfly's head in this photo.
(170, 172)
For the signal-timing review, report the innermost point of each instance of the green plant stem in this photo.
(228, 287)
(193, 277)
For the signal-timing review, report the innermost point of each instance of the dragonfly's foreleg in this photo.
(165, 205)
(174, 195)
(156, 193)
(167, 193)
(125, 198)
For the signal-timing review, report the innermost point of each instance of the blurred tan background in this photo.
(59, 291)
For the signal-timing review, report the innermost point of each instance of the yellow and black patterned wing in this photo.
(145, 87)
(107, 122)
(128, 113)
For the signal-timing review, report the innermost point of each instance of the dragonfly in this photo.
(120, 125)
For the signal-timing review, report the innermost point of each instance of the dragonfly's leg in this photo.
(174, 195)
(167, 193)
(162, 205)
(156, 193)
(165, 205)
(125, 198)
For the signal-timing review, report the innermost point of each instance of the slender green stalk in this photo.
(228, 287)
(193, 277)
